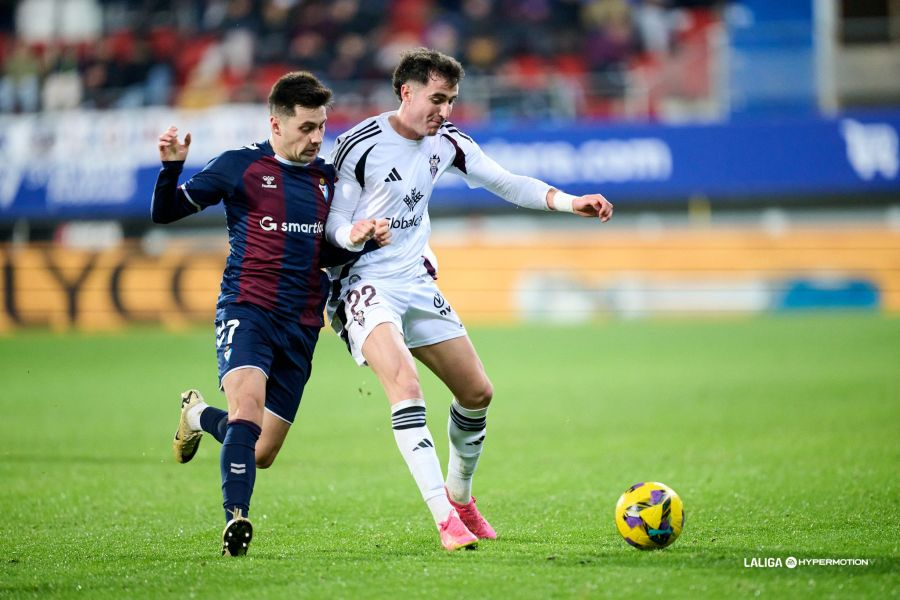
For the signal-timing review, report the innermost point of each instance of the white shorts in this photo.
(415, 306)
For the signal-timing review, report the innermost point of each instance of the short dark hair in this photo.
(420, 64)
(297, 87)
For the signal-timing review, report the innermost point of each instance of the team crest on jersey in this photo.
(324, 188)
(360, 318)
(227, 354)
(269, 182)
(434, 161)
(412, 198)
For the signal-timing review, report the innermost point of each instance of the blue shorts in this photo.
(249, 336)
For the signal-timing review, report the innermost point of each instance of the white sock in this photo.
(193, 415)
(466, 429)
(417, 447)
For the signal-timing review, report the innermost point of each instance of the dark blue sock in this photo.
(214, 421)
(238, 466)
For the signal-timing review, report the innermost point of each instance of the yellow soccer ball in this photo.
(650, 515)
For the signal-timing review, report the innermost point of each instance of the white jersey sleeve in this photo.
(340, 218)
(480, 170)
(349, 186)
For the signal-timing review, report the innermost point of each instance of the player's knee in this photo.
(248, 408)
(411, 390)
(478, 397)
(406, 385)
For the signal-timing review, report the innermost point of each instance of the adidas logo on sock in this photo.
(425, 443)
(476, 442)
(394, 176)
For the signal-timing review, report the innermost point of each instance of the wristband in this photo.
(562, 201)
(342, 238)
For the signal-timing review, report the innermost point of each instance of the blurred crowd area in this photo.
(578, 59)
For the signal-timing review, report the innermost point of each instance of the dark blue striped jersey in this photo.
(275, 212)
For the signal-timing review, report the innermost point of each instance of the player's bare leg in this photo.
(456, 363)
(387, 355)
(245, 391)
(392, 363)
(274, 431)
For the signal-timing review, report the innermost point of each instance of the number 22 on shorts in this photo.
(366, 293)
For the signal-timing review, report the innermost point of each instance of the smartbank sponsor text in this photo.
(270, 224)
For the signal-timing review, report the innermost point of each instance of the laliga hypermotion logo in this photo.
(269, 224)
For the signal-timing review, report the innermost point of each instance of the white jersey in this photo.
(384, 175)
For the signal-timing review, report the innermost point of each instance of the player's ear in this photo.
(406, 92)
(275, 124)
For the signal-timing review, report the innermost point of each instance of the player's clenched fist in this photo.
(169, 146)
(593, 205)
(382, 232)
(363, 231)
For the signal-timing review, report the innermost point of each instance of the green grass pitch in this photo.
(781, 434)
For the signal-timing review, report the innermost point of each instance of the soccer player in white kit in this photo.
(386, 305)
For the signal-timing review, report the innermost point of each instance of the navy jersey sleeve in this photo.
(169, 202)
(210, 186)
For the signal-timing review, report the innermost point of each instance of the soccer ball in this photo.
(650, 515)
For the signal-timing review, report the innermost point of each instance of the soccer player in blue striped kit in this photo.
(277, 196)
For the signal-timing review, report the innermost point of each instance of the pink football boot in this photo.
(473, 519)
(454, 534)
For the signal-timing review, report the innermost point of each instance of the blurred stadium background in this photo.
(750, 148)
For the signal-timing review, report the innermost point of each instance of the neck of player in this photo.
(402, 129)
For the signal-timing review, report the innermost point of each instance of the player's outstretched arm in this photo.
(528, 192)
(589, 205)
